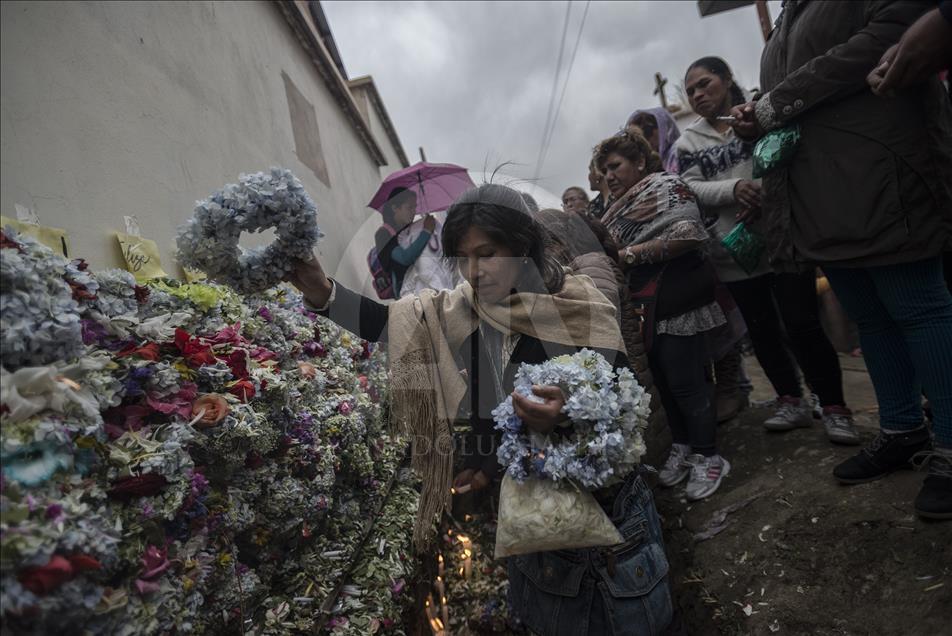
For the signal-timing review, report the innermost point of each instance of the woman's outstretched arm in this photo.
(358, 314)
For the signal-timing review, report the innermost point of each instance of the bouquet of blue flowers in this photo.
(546, 501)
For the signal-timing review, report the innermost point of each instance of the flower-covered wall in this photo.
(179, 459)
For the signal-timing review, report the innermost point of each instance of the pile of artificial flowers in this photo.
(179, 458)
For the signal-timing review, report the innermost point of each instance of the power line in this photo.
(555, 86)
(568, 74)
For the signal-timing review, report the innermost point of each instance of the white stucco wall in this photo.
(114, 108)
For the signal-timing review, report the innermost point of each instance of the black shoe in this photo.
(935, 499)
(886, 453)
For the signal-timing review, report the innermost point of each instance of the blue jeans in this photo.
(904, 316)
(579, 592)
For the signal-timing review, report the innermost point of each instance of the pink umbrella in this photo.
(437, 185)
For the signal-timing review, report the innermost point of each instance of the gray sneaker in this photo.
(674, 470)
(791, 413)
(706, 475)
(840, 428)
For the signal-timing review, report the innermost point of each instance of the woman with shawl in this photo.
(654, 218)
(516, 305)
(731, 382)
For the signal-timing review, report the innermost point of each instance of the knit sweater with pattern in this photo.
(712, 163)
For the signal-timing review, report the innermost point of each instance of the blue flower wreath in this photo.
(608, 409)
(209, 240)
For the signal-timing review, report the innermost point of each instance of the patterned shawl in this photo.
(651, 208)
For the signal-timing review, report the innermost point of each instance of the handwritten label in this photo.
(132, 226)
(26, 215)
(53, 237)
(141, 256)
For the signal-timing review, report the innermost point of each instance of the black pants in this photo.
(678, 364)
(795, 296)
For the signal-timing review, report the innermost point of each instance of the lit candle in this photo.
(468, 562)
(439, 586)
(446, 611)
(439, 560)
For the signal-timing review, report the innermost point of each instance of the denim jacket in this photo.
(599, 591)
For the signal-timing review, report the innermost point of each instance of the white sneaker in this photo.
(706, 475)
(840, 428)
(791, 413)
(674, 470)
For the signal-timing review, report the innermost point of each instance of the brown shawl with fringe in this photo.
(424, 332)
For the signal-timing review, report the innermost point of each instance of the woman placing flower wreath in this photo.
(655, 217)
(517, 305)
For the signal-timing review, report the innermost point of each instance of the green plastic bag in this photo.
(775, 149)
(744, 246)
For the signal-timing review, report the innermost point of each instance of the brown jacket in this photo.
(871, 183)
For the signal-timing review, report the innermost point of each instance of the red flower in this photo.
(6, 242)
(180, 403)
(228, 335)
(44, 579)
(142, 294)
(148, 351)
(126, 488)
(80, 292)
(126, 418)
(244, 390)
(237, 360)
(83, 562)
(192, 349)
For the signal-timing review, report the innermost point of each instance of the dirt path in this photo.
(801, 554)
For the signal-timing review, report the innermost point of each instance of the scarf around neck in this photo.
(649, 208)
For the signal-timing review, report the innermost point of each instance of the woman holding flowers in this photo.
(463, 347)
(655, 218)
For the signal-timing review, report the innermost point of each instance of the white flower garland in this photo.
(209, 240)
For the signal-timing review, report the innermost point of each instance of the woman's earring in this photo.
(525, 260)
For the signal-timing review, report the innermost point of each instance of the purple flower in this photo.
(93, 332)
(397, 587)
(54, 512)
(265, 313)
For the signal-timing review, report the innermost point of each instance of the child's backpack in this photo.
(381, 278)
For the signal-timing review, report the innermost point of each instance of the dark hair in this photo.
(502, 213)
(529, 201)
(719, 67)
(631, 145)
(647, 122)
(398, 196)
(576, 234)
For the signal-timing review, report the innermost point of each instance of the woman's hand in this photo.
(747, 193)
(748, 215)
(745, 122)
(543, 417)
(309, 278)
(429, 223)
(475, 479)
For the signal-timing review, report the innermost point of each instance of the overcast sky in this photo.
(471, 81)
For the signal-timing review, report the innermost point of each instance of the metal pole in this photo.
(763, 13)
(422, 154)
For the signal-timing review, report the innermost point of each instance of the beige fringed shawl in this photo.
(427, 387)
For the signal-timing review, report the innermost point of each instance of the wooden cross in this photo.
(659, 89)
